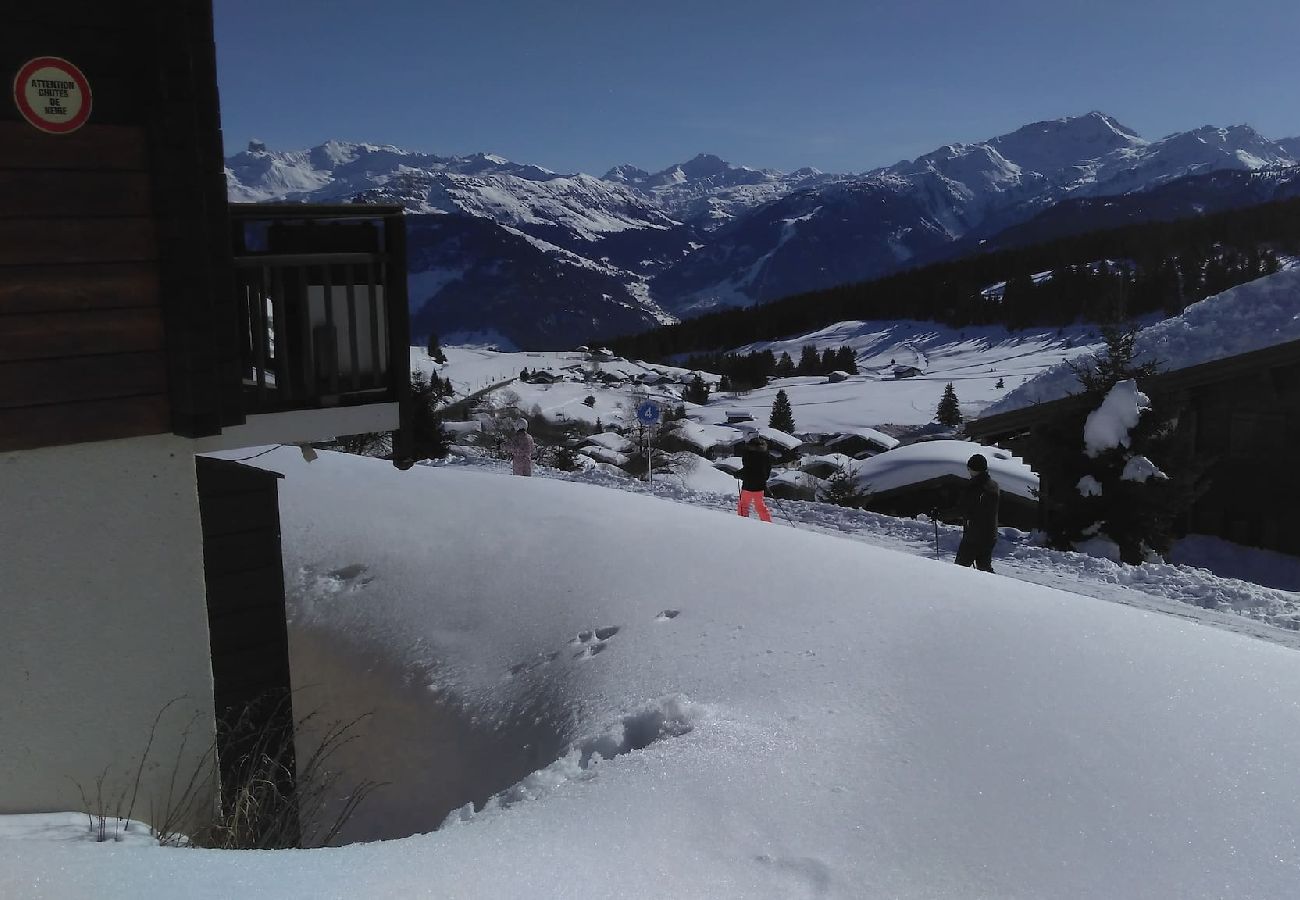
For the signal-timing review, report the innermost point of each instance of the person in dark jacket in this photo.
(980, 508)
(756, 467)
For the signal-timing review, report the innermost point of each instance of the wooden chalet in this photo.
(1241, 414)
(145, 321)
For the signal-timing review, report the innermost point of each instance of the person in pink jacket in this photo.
(521, 448)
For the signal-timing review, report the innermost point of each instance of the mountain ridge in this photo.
(705, 234)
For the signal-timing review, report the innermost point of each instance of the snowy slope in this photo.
(972, 359)
(781, 713)
(1260, 313)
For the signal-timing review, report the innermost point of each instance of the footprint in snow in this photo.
(536, 662)
(591, 642)
(345, 579)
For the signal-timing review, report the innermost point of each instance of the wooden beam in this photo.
(52, 335)
(41, 241)
(25, 428)
(51, 193)
(94, 146)
(56, 288)
(225, 554)
(43, 381)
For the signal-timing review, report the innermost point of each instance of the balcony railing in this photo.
(321, 292)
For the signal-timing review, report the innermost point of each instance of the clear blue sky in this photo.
(843, 85)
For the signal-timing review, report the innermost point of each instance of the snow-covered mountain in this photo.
(1195, 195)
(707, 191)
(916, 211)
(590, 257)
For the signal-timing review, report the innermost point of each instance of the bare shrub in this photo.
(268, 799)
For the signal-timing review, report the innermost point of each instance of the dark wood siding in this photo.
(245, 581)
(1242, 415)
(116, 307)
(252, 688)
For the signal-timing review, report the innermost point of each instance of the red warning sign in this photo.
(52, 94)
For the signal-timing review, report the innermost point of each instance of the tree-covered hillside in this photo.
(1096, 277)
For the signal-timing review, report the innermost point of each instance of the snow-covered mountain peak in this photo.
(626, 174)
(711, 171)
(1057, 146)
(706, 165)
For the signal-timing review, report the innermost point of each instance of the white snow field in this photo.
(973, 359)
(764, 711)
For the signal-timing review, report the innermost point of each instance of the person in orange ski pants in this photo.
(756, 467)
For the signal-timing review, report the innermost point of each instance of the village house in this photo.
(859, 443)
(929, 477)
(144, 322)
(1240, 414)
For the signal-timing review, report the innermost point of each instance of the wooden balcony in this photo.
(321, 301)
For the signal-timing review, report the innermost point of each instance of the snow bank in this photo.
(778, 712)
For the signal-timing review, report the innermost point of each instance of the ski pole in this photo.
(781, 510)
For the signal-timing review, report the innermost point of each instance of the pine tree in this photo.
(1116, 362)
(435, 350)
(846, 361)
(809, 361)
(1094, 497)
(842, 489)
(697, 391)
(782, 418)
(429, 439)
(784, 366)
(828, 362)
(949, 413)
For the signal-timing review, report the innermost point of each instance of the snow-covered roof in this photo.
(831, 460)
(797, 479)
(705, 437)
(463, 427)
(610, 440)
(773, 436)
(729, 464)
(1251, 316)
(604, 454)
(871, 434)
(916, 463)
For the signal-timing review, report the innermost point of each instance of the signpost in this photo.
(52, 94)
(647, 413)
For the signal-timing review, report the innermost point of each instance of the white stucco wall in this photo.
(103, 617)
